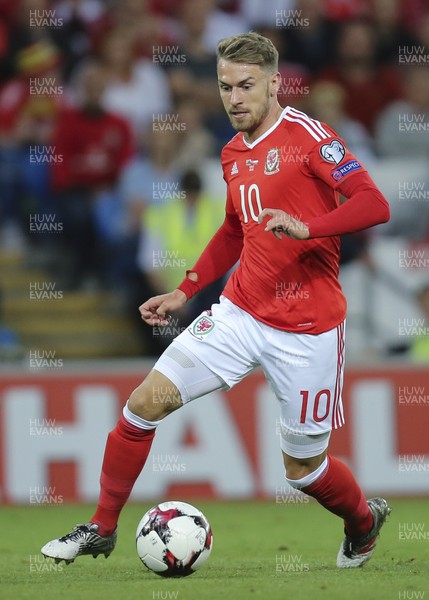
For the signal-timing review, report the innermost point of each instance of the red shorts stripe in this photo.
(337, 411)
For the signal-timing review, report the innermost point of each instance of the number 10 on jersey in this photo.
(250, 202)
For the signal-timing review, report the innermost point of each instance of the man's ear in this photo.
(275, 83)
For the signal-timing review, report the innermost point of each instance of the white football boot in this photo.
(356, 552)
(84, 539)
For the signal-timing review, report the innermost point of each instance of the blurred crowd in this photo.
(109, 110)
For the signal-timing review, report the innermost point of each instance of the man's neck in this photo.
(270, 120)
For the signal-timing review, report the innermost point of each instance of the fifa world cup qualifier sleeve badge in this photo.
(333, 152)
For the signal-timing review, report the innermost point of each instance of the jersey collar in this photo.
(266, 133)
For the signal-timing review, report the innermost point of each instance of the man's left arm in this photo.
(365, 207)
(337, 167)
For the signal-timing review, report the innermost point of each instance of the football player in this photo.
(282, 308)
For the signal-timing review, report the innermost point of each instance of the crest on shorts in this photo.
(272, 162)
(202, 326)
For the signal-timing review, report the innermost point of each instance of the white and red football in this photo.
(174, 539)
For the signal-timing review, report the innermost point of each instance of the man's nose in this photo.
(235, 96)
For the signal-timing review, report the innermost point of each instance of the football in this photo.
(174, 539)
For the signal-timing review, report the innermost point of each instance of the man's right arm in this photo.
(220, 254)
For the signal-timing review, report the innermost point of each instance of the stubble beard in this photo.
(254, 122)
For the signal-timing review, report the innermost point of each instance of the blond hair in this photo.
(250, 48)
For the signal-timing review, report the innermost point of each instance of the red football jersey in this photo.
(298, 166)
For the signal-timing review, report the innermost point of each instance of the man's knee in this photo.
(303, 453)
(298, 468)
(155, 398)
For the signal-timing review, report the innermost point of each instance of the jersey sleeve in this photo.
(332, 162)
(220, 254)
(365, 206)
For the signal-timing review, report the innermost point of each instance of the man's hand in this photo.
(155, 310)
(281, 222)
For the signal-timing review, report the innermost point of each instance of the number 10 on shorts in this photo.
(321, 405)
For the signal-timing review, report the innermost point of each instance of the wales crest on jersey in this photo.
(272, 162)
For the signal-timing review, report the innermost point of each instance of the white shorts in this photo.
(225, 344)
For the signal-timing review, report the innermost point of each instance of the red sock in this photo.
(127, 449)
(338, 491)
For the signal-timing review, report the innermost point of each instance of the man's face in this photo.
(247, 92)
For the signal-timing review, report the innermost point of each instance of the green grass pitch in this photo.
(262, 550)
